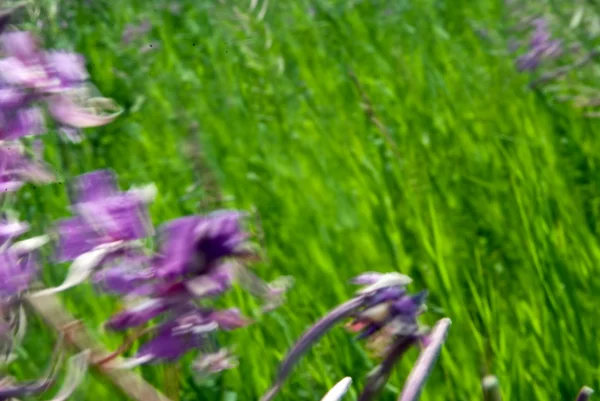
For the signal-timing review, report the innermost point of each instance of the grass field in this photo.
(454, 173)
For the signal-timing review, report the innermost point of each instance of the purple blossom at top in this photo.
(541, 47)
(386, 315)
(30, 76)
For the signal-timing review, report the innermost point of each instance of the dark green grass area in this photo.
(487, 193)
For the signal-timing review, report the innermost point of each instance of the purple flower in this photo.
(105, 231)
(68, 69)
(194, 245)
(10, 229)
(16, 169)
(127, 274)
(17, 259)
(105, 216)
(29, 76)
(138, 315)
(16, 272)
(193, 263)
(177, 336)
(385, 315)
(541, 47)
(585, 394)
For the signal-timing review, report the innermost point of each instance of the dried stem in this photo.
(367, 106)
(55, 315)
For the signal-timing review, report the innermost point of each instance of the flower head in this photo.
(30, 76)
(384, 314)
(196, 260)
(541, 47)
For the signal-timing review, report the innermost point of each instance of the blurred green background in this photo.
(366, 135)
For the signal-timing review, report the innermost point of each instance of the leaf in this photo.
(81, 269)
(29, 245)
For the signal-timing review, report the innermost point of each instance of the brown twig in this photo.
(367, 107)
(125, 345)
(56, 316)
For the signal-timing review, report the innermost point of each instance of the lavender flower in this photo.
(29, 76)
(385, 315)
(16, 168)
(106, 229)
(17, 260)
(198, 259)
(541, 47)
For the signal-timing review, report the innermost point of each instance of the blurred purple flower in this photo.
(106, 229)
(383, 313)
(29, 76)
(197, 259)
(16, 168)
(195, 245)
(541, 47)
(17, 259)
(187, 328)
(105, 216)
(585, 394)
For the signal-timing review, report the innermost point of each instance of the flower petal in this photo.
(96, 185)
(417, 377)
(79, 271)
(387, 280)
(138, 315)
(229, 319)
(95, 112)
(339, 390)
(76, 238)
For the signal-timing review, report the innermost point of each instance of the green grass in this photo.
(490, 201)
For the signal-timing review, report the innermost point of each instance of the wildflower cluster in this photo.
(197, 259)
(29, 79)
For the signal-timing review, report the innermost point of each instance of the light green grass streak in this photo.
(492, 205)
